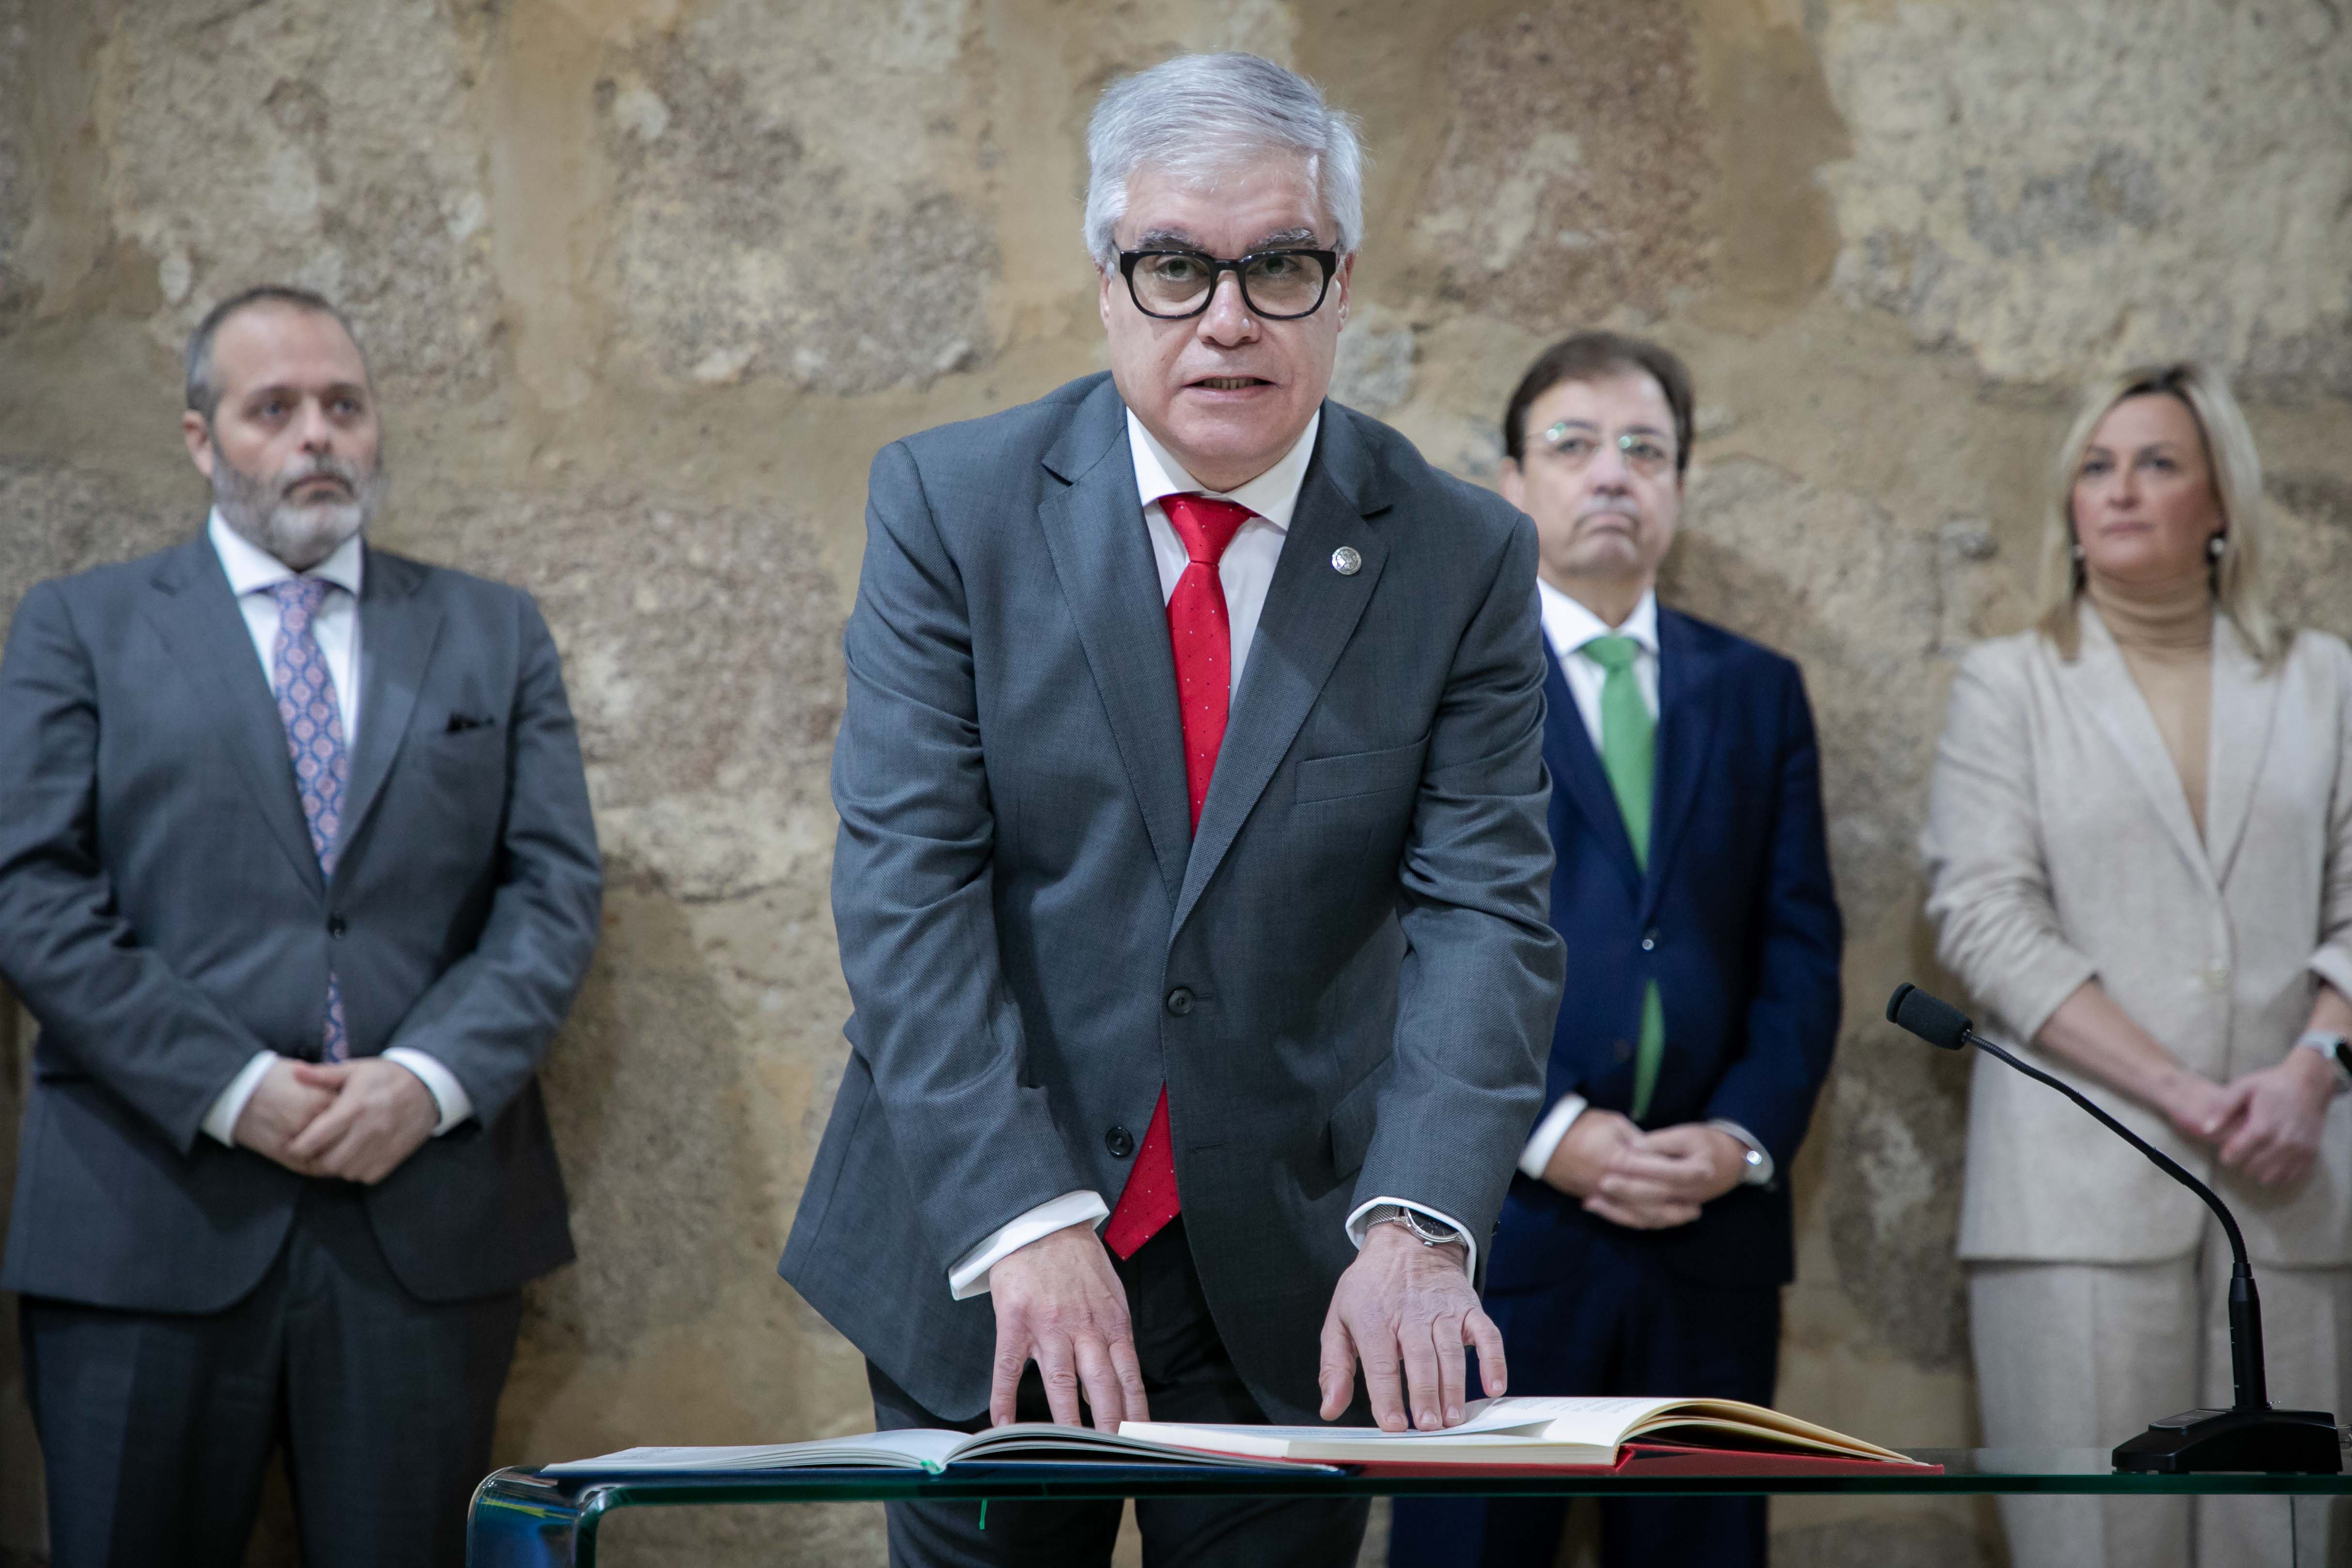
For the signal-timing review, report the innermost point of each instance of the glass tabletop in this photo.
(521, 1518)
(1962, 1470)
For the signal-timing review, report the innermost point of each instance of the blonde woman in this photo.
(2139, 854)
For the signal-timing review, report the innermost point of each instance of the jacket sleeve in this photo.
(913, 890)
(489, 1017)
(2332, 960)
(1481, 981)
(112, 1006)
(1988, 884)
(1792, 1012)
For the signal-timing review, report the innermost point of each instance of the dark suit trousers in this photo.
(1621, 1326)
(1187, 1376)
(156, 1428)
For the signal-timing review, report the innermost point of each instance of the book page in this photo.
(908, 1448)
(1594, 1425)
(1042, 1441)
(1754, 1421)
(1524, 1416)
(1602, 1421)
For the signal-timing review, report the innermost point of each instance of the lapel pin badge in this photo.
(1346, 561)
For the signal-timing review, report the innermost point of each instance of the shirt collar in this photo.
(251, 568)
(1570, 625)
(1272, 494)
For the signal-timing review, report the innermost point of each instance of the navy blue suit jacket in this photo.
(1735, 920)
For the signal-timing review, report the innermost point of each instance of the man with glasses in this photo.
(1645, 1240)
(1191, 874)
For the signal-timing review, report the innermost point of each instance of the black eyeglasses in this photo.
(1280, 285)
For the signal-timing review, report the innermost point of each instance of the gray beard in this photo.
(256, 509)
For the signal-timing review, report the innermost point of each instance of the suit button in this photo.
(2217, 978)
(1180, 1001)
(1120, 1142)
(336, 928)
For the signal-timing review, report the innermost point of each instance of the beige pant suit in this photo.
(2061, 847)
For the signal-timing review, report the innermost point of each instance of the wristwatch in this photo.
(1427, 1231)
(2331, 1046)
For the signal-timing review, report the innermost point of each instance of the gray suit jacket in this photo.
(1358, 926)
(163, 914)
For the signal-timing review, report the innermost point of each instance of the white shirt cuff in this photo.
(1358, 1223)
(221, 1119)
(1759, 1174)
(1544, 1142)
(969, 1277)
(449, 1096)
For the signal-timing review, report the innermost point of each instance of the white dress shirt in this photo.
(1243, 572)
(1567, 627)
(251, 570)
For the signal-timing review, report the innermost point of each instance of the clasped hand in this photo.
(2264, 1125)
(353, 1120)
(1646, 1181)
(1404, 1310)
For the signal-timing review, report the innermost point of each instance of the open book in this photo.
(912, 1448)
(1711, 1435)
(1698, 1436)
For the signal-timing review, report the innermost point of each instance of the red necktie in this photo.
(1202, 639)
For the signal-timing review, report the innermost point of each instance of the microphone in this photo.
(2250, 1435)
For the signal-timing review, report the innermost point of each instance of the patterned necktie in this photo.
(314, 738)
(1201, 636)
(1629, 755)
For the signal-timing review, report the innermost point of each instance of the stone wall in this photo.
(647, 282)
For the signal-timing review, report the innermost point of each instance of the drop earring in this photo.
(2215, 546)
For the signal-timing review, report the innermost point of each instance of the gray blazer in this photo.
(2059, 848)
(1345, 977)
(163, 914)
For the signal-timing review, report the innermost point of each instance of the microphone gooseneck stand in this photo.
(2250, 1435)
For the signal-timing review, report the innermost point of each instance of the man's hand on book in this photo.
(1060, 1304)
(1661, 1179)
(1405, 1307)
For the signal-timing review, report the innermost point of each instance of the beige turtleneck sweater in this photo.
(2166, 635)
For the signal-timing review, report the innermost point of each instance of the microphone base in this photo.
(2196, 1442)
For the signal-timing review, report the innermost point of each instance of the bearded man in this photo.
(297, 876)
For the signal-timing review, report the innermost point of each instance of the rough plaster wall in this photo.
(647, 282)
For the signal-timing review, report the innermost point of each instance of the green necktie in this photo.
(1629, 755)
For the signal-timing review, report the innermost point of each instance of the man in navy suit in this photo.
(1646, 1239)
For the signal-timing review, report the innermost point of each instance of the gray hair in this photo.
(203, 391)
(1201, 114)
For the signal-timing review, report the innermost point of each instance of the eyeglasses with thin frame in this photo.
(1644, 454)
(1279, 285)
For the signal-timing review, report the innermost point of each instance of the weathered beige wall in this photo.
(647, 282)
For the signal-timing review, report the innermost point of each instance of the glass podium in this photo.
(521, 1518)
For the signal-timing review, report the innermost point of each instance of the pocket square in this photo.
(461, 722)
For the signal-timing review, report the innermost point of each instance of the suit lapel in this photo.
(1310, 612)
(2243, 705)
(397, 631)
(2103, 686)
(198, 618)
(1102, 557)
(1686, 693)
(1577, 773)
